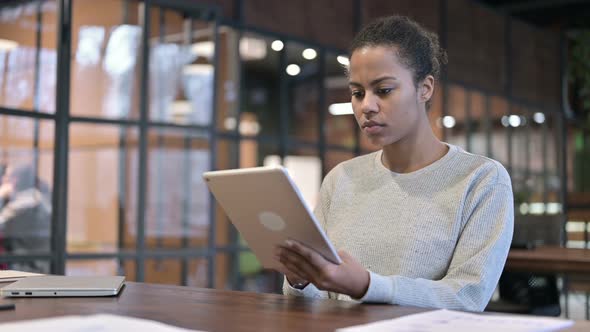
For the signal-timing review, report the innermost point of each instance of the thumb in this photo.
(344, 255)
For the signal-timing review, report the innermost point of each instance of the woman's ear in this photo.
(426, 89)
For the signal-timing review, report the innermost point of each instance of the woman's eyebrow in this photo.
(373, 82)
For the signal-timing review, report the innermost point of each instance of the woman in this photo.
(25, 216)
(420, 222)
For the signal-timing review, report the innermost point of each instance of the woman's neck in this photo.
(415, 151)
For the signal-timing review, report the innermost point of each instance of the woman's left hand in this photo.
(349, 277)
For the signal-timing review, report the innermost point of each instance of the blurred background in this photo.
(111, 110)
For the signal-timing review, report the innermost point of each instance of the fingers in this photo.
(312, 256)
(296, 263)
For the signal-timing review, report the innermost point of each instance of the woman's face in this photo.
(384, 97)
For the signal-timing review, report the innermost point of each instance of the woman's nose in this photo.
(369, 104)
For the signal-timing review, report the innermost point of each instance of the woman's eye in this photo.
(356, 94)
(384, 91)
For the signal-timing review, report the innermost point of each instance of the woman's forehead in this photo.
(376, 60)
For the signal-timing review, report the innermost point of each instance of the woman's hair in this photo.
(417, 48)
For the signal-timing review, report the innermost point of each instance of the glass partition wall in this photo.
(152, 94)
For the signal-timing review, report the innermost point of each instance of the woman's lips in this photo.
(371, 127)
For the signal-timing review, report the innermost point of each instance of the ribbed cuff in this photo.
(380, 289)
(310, 290)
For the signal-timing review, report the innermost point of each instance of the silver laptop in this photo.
(47, 286)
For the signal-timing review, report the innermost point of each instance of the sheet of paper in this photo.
(94, 323)
(12, 275)
(456, 321)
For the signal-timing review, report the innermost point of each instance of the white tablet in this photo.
(267, 208)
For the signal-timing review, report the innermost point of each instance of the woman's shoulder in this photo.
(481, 169)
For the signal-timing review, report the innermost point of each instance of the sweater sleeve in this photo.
(478, 260)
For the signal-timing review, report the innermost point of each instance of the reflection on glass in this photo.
(260, 85)
(177, 197)
(105, 59)
(302, 92)
(24, 68)
(181, 69)
(479, 119)
(498, 111)
(101, 188)
(339, 122)
(456, 107)
(98, 267)
(26, 166)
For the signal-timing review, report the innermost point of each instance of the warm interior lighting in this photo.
(197, 69)
(7, 45)
(252, 49)
(205, 49)
(340, 109)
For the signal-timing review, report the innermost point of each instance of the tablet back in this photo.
(266, 207)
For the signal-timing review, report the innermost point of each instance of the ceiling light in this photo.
(343, 60)
(449, 121)
(340, 109)
(277, 45)
(293, 69)
(539, 117)
(514, 120)
(309, 54)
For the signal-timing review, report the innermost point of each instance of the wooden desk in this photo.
(551, 259)
(215, 310)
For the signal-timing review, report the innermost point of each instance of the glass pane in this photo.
(303, 88)
(435, 112)
(94, 267)
(129, 267)
(223, 268)
(105, 62)
(253, 278)
(553, 161)
(181, 68)
(478, 123)
(499, 124)
(26, 182)
(305, 168)
(457, 102)
(228, 83)
(340, 123)
(102, 190)
(196, 272)
(260, 90)
(28, 72)
(519, 171)
(164, 271)
(177, 198)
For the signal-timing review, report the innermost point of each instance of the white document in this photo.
(94, 323)
(12, 275)
(456, 321)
